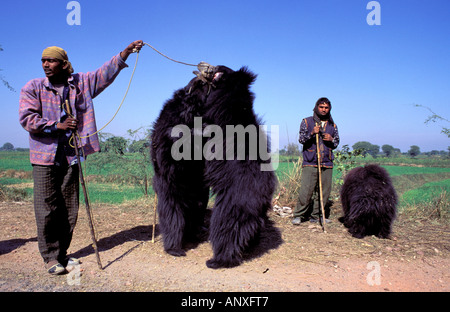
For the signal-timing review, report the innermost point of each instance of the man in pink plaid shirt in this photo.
(55, 171)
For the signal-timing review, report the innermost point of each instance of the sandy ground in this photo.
(290, 259)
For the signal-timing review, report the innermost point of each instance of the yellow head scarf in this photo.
(59, 54)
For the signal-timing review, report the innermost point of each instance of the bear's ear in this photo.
(246, 76)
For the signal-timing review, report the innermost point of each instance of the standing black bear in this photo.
(369, 202)
(189, 159)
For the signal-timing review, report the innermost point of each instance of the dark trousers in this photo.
(309, 184)
(56, 199)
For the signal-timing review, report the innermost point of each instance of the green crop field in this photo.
(15, 161)
(417, 185)
(111, 193)
(426, 193)
(15, 173)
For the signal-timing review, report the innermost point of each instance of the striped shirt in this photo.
(40, 109)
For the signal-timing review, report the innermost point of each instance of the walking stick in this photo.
(319, 162)
(154, 218)
(86, 200)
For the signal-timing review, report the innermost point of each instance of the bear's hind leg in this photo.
(232, 228)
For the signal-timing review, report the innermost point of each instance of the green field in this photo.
(393, 171)
(111, 193)
(15, 161)
(426, 193)
(417, 185)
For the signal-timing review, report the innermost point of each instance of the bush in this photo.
(12, 194)
(344, 161)
(438, 209)
(289, 185)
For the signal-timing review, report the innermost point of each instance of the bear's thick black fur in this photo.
(243, 193)
(369, 202)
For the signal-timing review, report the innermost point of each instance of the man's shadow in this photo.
(140, 234)
(9, 245)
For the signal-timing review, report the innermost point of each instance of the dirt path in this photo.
(294, 259)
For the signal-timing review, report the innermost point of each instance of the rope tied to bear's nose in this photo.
(205, 71)
(206, 74)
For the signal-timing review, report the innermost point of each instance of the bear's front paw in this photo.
(176, 252)
(217, 264)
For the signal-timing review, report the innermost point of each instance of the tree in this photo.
(120, 167)
(367, 148)
(5, 83)
(434, 152)
(292, 150)
(7, 147)
(344, 161)
(388, 150)
(141, 169)
(434, 118)
(396, 152)
(138, 146)
(414, 150)
(114, 144)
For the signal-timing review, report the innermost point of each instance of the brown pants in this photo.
(56, 199)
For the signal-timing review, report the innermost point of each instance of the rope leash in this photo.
(167, 56)
(205, 73)
(121, 103)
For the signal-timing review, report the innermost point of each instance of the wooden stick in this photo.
(86, 200)
(319, 162)
(154, 218)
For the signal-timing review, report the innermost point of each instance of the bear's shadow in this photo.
(270, 238)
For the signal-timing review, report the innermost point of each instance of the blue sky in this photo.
(301, 50)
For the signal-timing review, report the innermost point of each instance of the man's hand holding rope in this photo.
(135, 46)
